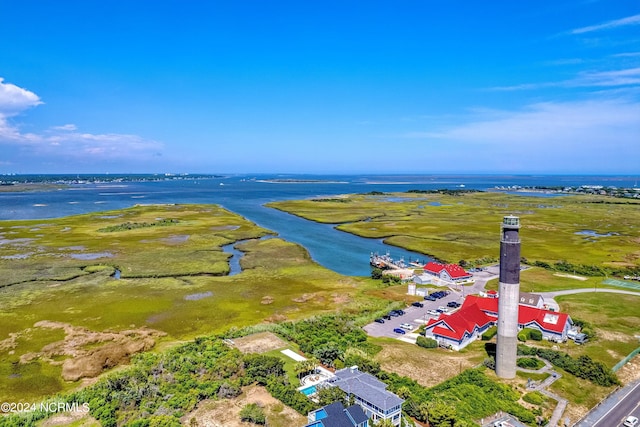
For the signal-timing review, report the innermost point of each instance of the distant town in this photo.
(600, 190)
(68, 179)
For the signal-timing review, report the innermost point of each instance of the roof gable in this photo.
(365, 386)
(453, 270)
(463, 322)
(335, 415)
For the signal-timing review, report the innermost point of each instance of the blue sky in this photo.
(412, 86)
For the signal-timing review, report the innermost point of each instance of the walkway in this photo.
(542, 388)
(293, 355)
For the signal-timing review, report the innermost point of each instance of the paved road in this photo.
(612, 411)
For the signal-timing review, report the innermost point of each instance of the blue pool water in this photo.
(308, 391)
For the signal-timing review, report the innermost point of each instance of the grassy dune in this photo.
(173, 280)
(467, 226)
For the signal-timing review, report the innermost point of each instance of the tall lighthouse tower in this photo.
(509, 293)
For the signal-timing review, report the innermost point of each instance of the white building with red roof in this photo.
(444, 274)
(478, 314)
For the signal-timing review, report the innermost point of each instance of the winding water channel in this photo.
(339, 251)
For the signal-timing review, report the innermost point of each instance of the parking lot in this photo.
(415, 316)
(419, 315)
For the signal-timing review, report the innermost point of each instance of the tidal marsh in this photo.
(159, 273)
(466, 226)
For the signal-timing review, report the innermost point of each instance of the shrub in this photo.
(530, 363)
(583, 367)
(289, 395)
(522, 336)
(253, 413)
(535, 398)
(426, 342)
(490, 333)
(535, 334)
(585, 327)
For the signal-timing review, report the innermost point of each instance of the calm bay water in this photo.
(246, 195)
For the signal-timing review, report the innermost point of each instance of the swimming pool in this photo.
(308, 391)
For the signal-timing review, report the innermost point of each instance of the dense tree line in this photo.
(458, 401)
(326, 337)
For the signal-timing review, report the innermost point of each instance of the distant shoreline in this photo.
(30, 183)
(299, 181)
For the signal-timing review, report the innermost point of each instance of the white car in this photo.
(406, 326)
(432, 312)
(631, 421)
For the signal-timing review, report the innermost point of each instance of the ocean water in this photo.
(246, 196)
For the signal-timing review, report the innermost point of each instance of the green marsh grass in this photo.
(467, 226)
(163, 268)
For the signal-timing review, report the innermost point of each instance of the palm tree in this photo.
(384, 423)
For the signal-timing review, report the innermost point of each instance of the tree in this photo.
(404, 392)
(328, 395)
(441, 415)
(253, 414)
(260, 367)
(384, 423)
(328, 353)
(376, 273)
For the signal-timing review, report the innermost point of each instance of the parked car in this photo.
(443, 309)
(430, 298)
(433, 312)
(400, 312)
(386, 317)
(399, 331)
(453, 304)
(379, 320)
(631, 421)
(394, 313)
(581, 338)
(417, 304)
(406, 326)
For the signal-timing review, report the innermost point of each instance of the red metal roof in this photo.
(477, 312)
(454, 270)
(465, 320)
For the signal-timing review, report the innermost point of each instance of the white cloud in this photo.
(630, 76)
(625, 77)
(65, 143)
(585, 136)
(626, 54)
(69, 127)
(630, 20)
(14, 99)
